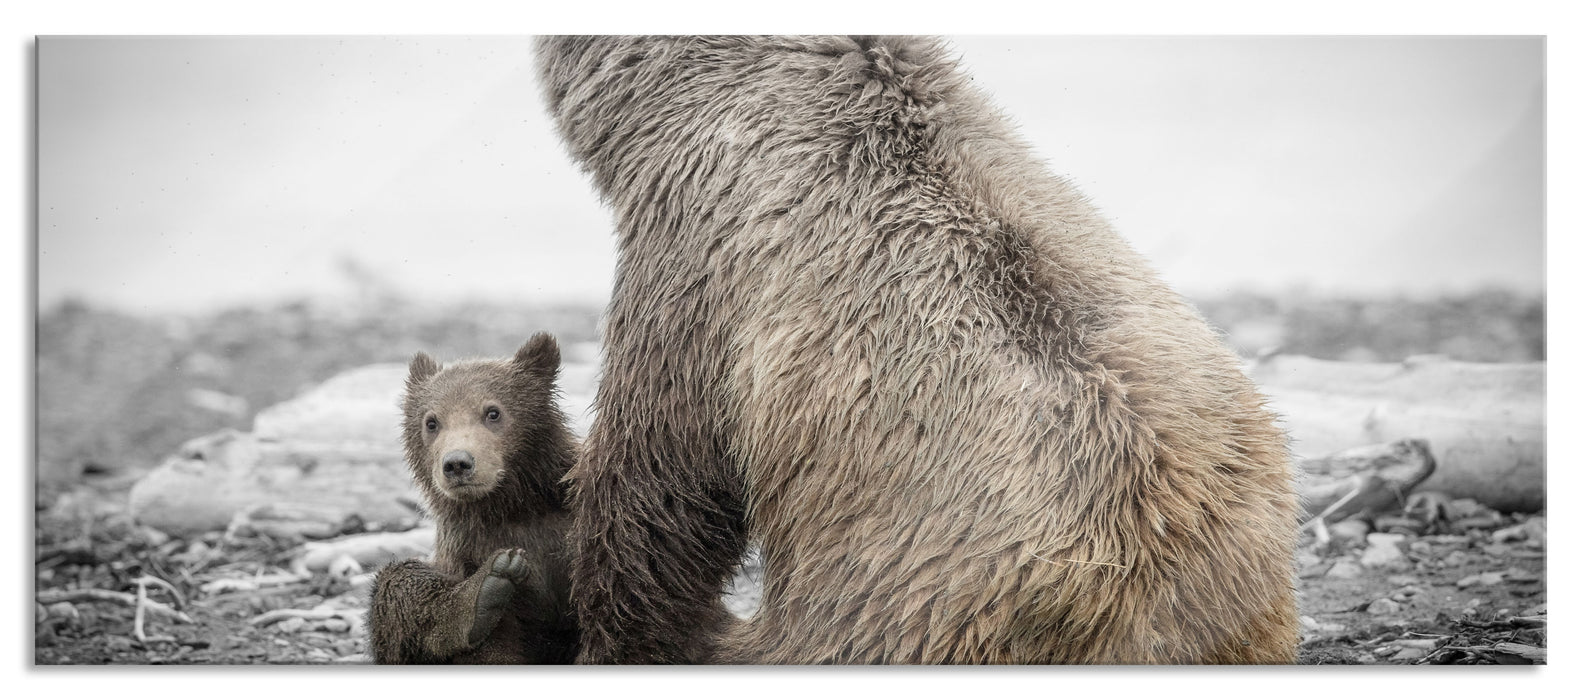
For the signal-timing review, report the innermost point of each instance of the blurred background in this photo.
(224, 222)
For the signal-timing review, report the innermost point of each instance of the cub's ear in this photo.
(422, 368)
(539, 354)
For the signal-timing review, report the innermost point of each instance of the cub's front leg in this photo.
(421, 616)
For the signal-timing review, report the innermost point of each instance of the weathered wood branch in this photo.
(1485, 421)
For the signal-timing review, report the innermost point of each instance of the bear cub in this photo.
(487, 445)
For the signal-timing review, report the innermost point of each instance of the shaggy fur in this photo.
(498, 589)
(856, 320)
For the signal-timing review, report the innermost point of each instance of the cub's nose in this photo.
(458, 465)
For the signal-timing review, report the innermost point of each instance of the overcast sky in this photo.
(186, 173)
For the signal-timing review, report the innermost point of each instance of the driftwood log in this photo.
(315, 461)
(1485, 423)
(309, 464)
(1368, 480)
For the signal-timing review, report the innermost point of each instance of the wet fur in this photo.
(855, 319)
(425, 612)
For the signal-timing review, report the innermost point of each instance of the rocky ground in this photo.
(1451, 582)
(1468, 587)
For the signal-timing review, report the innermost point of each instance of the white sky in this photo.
(183, 173)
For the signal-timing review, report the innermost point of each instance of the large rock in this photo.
(313, 461)
(320, 458)
(1484, 422)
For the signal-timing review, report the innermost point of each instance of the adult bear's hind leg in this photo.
(659, 526)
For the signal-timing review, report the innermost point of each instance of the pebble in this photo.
(65, 610)
(1405, 594)
(1384, 606)
(1498, 551)
(1410, 654)
(291, 624)
(1487, 578)
(1403, 580)
(333, 624)
(39, 612)
(121, 644)
(1520, 575)
(153, 537)
(344, 567)
(1315, 570)
(1348, 533)
(1344, 569)
(1456, 558)
(1509, 534)
(320, 656)
(1384, 551)
(1462, 508)
(1537, 528)
(1477, 522)
(1399, 524)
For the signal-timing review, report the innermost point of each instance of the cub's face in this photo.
(464, 432)
(465, 423)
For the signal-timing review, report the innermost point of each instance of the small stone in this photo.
(320, 656)
(1478, 522)
(119, 644)
(1315, 569)
(360, 658)
(1348, 533)
(1456, 558)
(1410, 654)
(1537, 528)
(1420, 548)
(153, 537)
(333, 624)
(65, 611)
(1399, 524)
(1344, 569)
(1384, 606)
(1464, 508)
(291, 625)
(1487, 578)
(1406, 594)
(1403, 580)
(1498, 551)
(39, 612)
(1384, 551)
(1513, 533)
(1520, 575)
(344, 567)
(1313, 625)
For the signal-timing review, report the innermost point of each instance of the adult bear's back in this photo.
(856, 316)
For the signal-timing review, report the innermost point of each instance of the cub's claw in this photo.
(506, 569)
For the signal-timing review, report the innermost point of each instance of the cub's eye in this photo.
(492, 414)
(432, 424)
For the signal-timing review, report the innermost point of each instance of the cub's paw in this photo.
(504, 570)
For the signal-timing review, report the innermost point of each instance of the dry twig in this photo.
(101, 595)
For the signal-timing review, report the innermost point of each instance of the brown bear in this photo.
(856, 320)
(488, 447)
